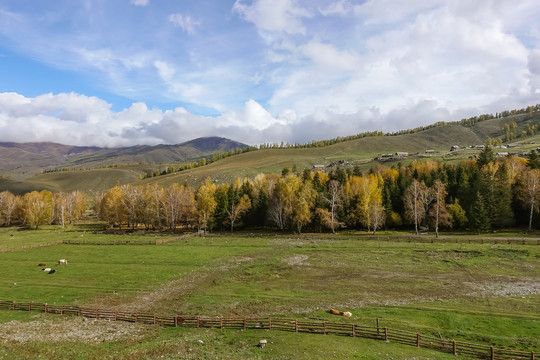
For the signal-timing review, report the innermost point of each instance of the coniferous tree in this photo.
(533, 161)
(486, 156)
(502, 199)
(478, 215)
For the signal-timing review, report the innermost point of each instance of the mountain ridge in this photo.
(39, 156)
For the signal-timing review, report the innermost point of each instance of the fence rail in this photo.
(283, 324)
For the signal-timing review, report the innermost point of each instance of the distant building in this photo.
(430, 151)
(479, 147)
(454, 148)
(318, 167)
(401, 154)
(501, 154)
(510, 146)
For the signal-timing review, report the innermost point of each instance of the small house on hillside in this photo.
(401, 154)
(454, 148)
(502, 154)
(430, 151)
(318, 167)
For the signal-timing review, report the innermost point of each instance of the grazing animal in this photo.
(337, 312)
(52, 271)
(62, 261)
(46, 270)
(41, 264)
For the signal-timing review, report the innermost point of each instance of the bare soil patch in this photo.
(71, 329)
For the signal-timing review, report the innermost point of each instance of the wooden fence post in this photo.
(46, 307)
(417, 339)
(532, 355)
(378, 327)
(62, 311)
(97, 313)
(354, 330)
(295, 325)
(175, 321)
(492, 353)
(245, 323)
(270, 323)
(116, 316)
(155, 319)
(385, 333)
(324, 331)
(30, 306)
(221, 322)
(454, 347)
(198, 321)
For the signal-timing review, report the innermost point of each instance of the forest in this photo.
(476, 194)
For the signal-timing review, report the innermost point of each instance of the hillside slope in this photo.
(359, 152)
(22, 160)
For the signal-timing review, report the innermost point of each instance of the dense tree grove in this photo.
(482, 194)
(39, 208)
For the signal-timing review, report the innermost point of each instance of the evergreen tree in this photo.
(533, 161)
(502, 198)
(478, 215)
(485, 157)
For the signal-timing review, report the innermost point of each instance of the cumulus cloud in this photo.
(269, 70)
(76, 119)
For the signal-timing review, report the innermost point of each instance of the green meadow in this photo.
(482, 293)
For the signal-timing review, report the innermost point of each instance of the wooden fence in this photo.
(31, 246)
(457, 239)
(283, 324)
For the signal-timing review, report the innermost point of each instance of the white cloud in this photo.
(140, 2)
(534, 71)
(328, 57)
(335, 67)
(274, 16)
(165, 70)
(185, 22)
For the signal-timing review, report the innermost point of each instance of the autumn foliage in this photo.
(424, 196)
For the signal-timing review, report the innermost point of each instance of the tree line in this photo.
(480, 194)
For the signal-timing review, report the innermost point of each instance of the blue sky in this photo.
(126, 72)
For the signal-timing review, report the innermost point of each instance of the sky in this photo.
(115, 73)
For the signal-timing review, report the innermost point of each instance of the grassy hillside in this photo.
(62, 181)
(359, 152)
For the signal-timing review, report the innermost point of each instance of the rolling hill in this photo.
(26, 159)
(358, 152)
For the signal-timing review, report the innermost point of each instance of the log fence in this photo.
(282, 324)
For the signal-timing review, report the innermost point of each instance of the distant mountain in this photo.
(33, 157)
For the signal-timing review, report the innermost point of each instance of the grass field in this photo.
(484, 293)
